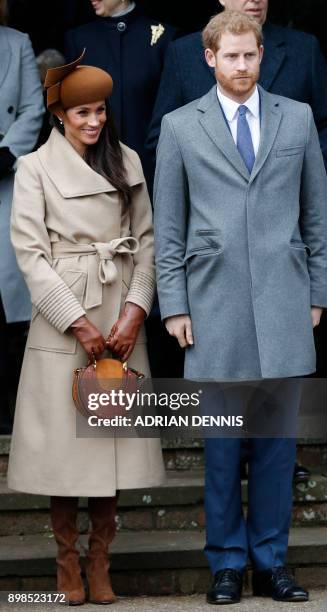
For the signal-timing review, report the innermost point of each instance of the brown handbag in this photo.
(102, 377)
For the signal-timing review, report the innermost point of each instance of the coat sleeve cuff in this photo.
(174, 309)
(319, 298)
(60, 307)
(141, 290)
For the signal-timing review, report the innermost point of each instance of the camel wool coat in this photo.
(66, 224)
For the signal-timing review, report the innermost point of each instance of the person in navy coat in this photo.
(131, 46)
(293, 66)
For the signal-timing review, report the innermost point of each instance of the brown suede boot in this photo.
(102, 511)
(63, 518)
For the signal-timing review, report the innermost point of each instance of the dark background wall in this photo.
(47, 21)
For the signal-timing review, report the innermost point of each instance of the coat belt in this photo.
(104, 252)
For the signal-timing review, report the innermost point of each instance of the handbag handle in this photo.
(94, 364)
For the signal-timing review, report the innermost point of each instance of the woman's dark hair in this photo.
(106, 158)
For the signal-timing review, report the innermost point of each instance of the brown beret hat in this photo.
(72, 85)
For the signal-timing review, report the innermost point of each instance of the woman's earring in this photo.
(61, 122)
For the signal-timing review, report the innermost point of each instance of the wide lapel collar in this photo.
(71, 175)
(274, 54)
(214, 123)
(270, 120)
(5, 54)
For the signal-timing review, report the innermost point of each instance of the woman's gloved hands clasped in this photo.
(122, 338)
(124, 332)
(89, 337)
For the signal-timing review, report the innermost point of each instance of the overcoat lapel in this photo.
(214, 123)
(71, 175)
(5, 54)
(270, 120)
(273, 57)
(200, 52)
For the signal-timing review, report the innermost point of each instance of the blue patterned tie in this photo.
(244, 139)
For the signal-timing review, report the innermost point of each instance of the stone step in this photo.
(151, 562)
(178, 504)
(183, 455)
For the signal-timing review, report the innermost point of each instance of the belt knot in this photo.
(106, 252)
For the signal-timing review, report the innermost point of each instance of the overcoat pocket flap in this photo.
(298, 244)
(289, 151)
(204, 241)
(209, 249)
(207, 232)
(75, 280)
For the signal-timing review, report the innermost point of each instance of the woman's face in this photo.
(83, 124)
(105, 8)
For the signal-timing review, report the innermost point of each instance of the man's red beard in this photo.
(240, 83)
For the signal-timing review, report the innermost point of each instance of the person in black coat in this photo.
(130, 46)
(292, 66)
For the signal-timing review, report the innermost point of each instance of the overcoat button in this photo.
(121, 26)
(10, 109)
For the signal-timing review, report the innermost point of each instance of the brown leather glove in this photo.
(124, 332)
(89, 337)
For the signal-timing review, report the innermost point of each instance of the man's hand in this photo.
(180, 327)
(316, 313)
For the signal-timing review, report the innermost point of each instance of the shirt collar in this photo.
(125, 11)
(230, 107)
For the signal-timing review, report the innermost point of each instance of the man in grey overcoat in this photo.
(21, 112)
(241, 256)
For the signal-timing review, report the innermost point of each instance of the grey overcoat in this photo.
(21, 111)
(67, 223)
(245, 256)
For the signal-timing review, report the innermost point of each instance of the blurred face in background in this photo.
(255, 8)
(105, 8)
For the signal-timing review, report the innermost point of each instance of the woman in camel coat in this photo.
(85, 246)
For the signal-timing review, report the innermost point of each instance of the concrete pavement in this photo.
(193, 603)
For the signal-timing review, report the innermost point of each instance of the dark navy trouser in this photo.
(263, 536)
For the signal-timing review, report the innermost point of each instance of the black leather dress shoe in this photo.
(301, 474)
(226, 587)
(279, 584)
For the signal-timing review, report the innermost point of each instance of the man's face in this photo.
(236, 64)
(105, 8)
(255, 8)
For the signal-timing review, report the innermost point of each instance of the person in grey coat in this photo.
(293, 66)
(241, 259)
(21, 111)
